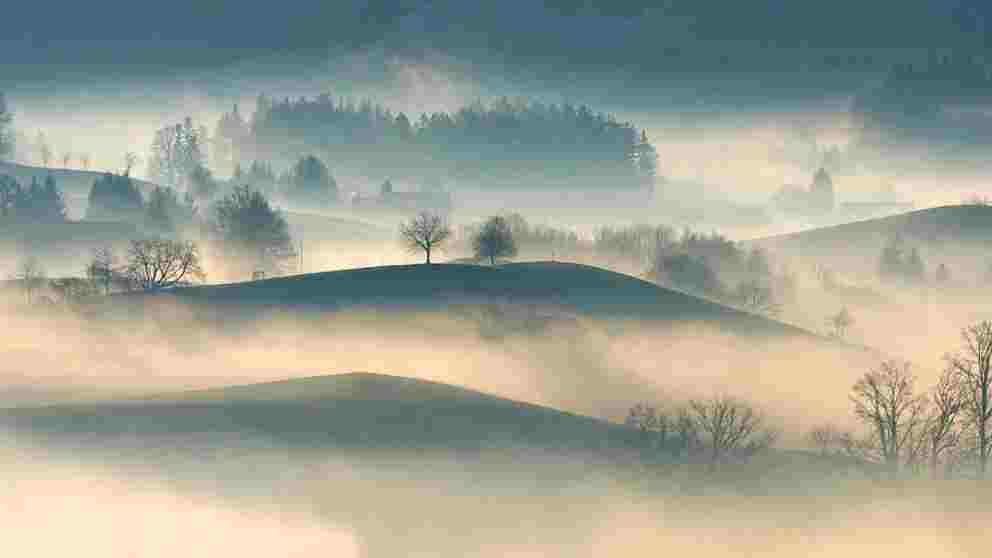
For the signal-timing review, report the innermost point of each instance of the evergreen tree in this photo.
(7, 135)
(311, 182)
(821, 193)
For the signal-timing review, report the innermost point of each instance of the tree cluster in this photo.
(37, 203)
(507, 141)
(7, 136)
(252, 232)
(114, 197)
(717, 430)
(178, 153)
(899, 261)
(310, 182)
(944, 429)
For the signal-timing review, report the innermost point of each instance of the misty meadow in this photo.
(411, 278)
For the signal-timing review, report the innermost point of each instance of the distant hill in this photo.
(954, 232)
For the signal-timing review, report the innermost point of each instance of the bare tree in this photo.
(102, 269)
(650, 422)
(827, 439)
(73, 290)
(427, 232)
(972, 366)
(730, 428)
(686, 433)
(31, 276)
(885, 400)
(494, 240)
(159, 264)
(66, 157)
(757, 297)
(942, 434)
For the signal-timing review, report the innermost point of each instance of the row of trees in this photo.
(718, 430)
(491, 240)
(944, 429)
(148, 265)
(116, 197)
(6, 129)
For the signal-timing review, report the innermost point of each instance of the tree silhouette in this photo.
(159, 264)
(427, 232)
(494, 240)
(886, 401)
(249, 228)
(6, 132)
(973, 367)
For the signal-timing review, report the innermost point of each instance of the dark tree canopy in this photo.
(898, 260)
(494, 240)
(6, 131)
(115, 197)
(311, 181)
(250, 228)
(37, 203)
(512, 143)
(160, 264)
(165, 211)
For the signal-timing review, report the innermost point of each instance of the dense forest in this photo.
(510, 144)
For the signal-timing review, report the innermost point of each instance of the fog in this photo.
(703, 209)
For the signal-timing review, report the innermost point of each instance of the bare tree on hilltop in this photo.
(427, 232)
(159, 264)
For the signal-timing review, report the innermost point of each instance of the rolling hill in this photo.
(357, 411)
(570, 288)
(952, 233)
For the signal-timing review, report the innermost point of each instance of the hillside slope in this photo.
(572, 288)
(949, 232)
(349, 411)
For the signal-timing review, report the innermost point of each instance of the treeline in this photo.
(708, 265)
(505, 141)
(944, 430)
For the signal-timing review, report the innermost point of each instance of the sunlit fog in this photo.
(441, 278)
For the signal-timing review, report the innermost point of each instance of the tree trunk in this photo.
(428, 251)
(934, 473)
(492, 260)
